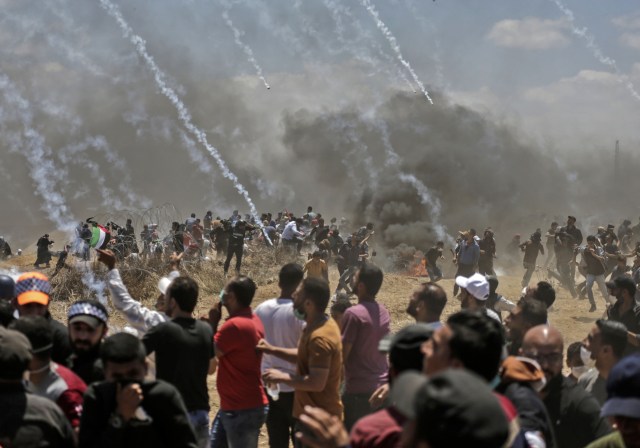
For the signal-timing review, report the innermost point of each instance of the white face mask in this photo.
(579, 371)
(585, 355)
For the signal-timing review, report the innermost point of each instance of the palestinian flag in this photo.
(100, 237)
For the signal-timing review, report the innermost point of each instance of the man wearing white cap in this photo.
(138, 316)
(474, 294)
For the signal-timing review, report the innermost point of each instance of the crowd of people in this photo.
(321, 368)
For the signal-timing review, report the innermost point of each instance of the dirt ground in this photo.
(570, 315)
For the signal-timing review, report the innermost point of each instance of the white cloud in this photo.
(628, 22)
(631, 40)
(530, 33)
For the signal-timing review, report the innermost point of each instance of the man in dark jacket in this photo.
(128, 411)
(575, 414)
(26, 419)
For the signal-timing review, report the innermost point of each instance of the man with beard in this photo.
(487, 253)
(87, 327)
(188, 343)
(574, 413)
(32, 291)
(474, 294)
(318, 356)
(528, 313)
(243, 402)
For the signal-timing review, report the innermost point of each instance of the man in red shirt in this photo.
(243, 402)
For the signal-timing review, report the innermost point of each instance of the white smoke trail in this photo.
(337, 11)
(428, 26)
(93, 284)
(76, 153)
(595, 49)
(394, 45)
(237, 35)
(39, 158)
(183, 113)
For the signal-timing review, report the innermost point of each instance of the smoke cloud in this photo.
(341, 128)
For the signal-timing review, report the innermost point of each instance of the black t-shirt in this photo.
(236, 236)
(432, 256)
(30, 420)
(594, 265)
(167, 425)
(183, 347)
(575, 414)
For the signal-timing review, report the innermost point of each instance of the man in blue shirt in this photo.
(467, 257)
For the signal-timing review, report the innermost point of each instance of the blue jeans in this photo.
(599, 279)
(238, 429)
(200, 422)
(434, 272)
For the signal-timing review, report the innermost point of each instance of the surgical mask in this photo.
(579, 371)
(585, 356)
(299, 314)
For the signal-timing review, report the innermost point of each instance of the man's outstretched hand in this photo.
(107, 257)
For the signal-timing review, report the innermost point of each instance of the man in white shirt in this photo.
(282, 329)
(141, 318)
(291, 234)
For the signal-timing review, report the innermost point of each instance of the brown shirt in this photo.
(320, 346)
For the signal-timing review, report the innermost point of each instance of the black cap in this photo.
(7, 287)
(623, 389)
(404, 347)
(451, 408)
(407, 338)
(15, 354)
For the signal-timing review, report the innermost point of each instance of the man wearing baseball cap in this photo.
(384, 427)
(452, 408)
(87, 327)
(623, 405)
(32, 299)
(474, 294)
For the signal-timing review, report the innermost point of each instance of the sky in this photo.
(86, 131)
